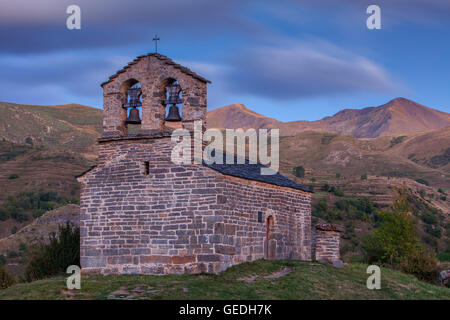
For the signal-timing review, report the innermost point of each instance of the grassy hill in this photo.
(44, 147)
(395, 156)
(70, 127)
(259, 280)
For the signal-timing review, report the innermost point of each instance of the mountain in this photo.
(238, 116)
(399, 116)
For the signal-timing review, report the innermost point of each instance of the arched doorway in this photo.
(269, 245)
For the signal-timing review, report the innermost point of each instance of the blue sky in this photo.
(287, 59)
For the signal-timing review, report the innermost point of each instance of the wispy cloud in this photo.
(304, 70)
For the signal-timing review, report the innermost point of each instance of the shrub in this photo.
(364, 176)
(326, 139)
(22, 246)
(29, 141)
(338, 175)
(2, 260)
(428, 218)
(430, 240)
(434, 231)
(299, 172)
(397, 140)
(334, 215)
(13, 176)
(14, 230)
(321, 206)
(444, 256)
(325, 187)
(393, 239)
(443, 198)
(395, 242)
(53, 258)
(25, 204)
(423, 181)
(19, 216)
(442, 159)
(12, 254)
(420, 263)
(6, 280)
(4, 214)
(357, 208)
(349, 231)
(337, 192)
(440, 190)
(38, 213)
(321, 211)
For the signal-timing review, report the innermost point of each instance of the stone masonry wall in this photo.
(244, 238)
(181, 218)
(153, 74)
(326, 242)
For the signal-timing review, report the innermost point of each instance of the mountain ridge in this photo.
(398, 116)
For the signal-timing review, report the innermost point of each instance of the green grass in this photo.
(444, 256)
(307, 281)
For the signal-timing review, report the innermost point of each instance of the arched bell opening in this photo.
(173, 104)
(132, 106)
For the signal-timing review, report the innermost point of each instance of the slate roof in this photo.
(253, 172)
(165, 60)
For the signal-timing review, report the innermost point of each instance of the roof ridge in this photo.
(161, 57)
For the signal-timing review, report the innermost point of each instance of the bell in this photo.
(173, 91)
(133, 117)
(134, 98)
(174, 114)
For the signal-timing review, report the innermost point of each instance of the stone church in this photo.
(142, 213)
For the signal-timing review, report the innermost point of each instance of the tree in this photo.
(299, 172)
(395, 242)
(364, 176)
(6, 280)
(52, 258)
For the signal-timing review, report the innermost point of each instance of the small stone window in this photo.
(146, 168)
(260, 216)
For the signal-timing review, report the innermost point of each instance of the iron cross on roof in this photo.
(156, 39)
